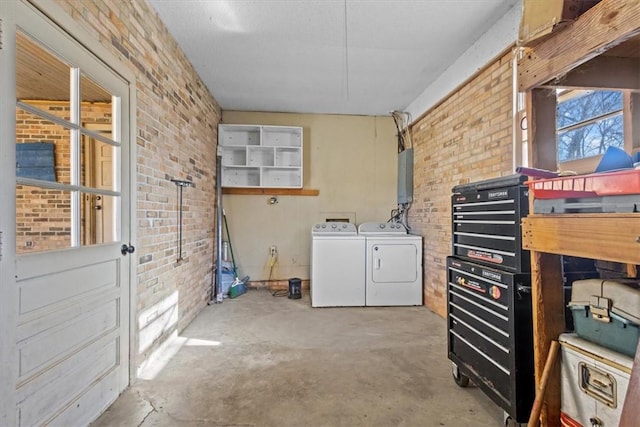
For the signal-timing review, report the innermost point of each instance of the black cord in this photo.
(395, 214)
(401, 142)
(280, 293)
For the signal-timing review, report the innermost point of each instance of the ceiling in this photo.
(365, 57)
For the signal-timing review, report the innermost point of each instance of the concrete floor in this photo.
(258, 360)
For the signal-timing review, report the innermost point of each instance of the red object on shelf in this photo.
(567, 421)
(591, 185)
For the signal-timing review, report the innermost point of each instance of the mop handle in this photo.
(233, 260)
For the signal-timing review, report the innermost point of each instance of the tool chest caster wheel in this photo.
(461, 379)
(510, 422)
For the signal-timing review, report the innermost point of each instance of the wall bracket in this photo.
(180, 185)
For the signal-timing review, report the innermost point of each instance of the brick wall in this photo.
(464, 139)
(176, 121)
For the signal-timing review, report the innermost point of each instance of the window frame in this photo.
(589, 164)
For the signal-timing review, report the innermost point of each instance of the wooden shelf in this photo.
(580, 55)
(271, 191)
(610, 237)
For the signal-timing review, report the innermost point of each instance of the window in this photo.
(588, 122)
(68, 156)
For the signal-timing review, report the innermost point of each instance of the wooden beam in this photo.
(602, 27)
(541, 128)
(632, 126)
(602, 72)
(609, 237)
(271, 191)
(547, 299)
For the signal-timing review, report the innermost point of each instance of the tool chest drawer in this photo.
(486, 222)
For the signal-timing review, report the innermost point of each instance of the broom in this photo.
(238, 286)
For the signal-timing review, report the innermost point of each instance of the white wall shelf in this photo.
(255, 156)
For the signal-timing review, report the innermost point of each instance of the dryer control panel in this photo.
(381, 229)
(333, 228)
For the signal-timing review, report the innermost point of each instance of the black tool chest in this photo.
(490, 332)
(486, 222)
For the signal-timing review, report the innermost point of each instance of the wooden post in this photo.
(546, 269)
(548, 323)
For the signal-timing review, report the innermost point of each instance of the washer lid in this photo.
(334, 228)
(381, 229)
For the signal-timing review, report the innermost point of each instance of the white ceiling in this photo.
(364, 57)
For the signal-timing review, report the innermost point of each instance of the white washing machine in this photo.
(337, 265)
(393, 264)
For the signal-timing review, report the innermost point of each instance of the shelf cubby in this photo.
(261, 156)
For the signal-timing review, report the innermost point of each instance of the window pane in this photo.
(591, 140)
(95, 107)
(97, 164)
(98, 219)
(43, 219)
(43, 149)
(42, 79)
(588, 106)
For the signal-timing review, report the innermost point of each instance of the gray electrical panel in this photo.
(405, 176)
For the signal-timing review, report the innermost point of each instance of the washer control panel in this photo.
(381, 228)
(325, 228)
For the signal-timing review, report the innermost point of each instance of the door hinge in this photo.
(0, 34)
(0, 245)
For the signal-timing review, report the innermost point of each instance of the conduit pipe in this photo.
(217, 289)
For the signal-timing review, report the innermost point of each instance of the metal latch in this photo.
(600, 307)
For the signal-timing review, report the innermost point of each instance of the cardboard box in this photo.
(540, 18)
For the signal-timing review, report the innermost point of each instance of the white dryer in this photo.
(337, 265)
(393, 264)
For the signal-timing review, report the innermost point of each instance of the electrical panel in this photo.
(405, 176)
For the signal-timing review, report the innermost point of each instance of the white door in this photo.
(97, 171)
(394, 263)
(103, 206)
(72, 292)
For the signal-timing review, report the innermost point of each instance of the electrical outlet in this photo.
(273, 250)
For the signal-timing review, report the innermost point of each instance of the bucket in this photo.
(295, 291)
(227, 279)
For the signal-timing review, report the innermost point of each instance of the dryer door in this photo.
(394, 263)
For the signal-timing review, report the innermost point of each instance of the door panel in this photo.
(96, 361)
(72, 305)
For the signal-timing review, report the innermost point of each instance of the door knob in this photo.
(127, 249)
